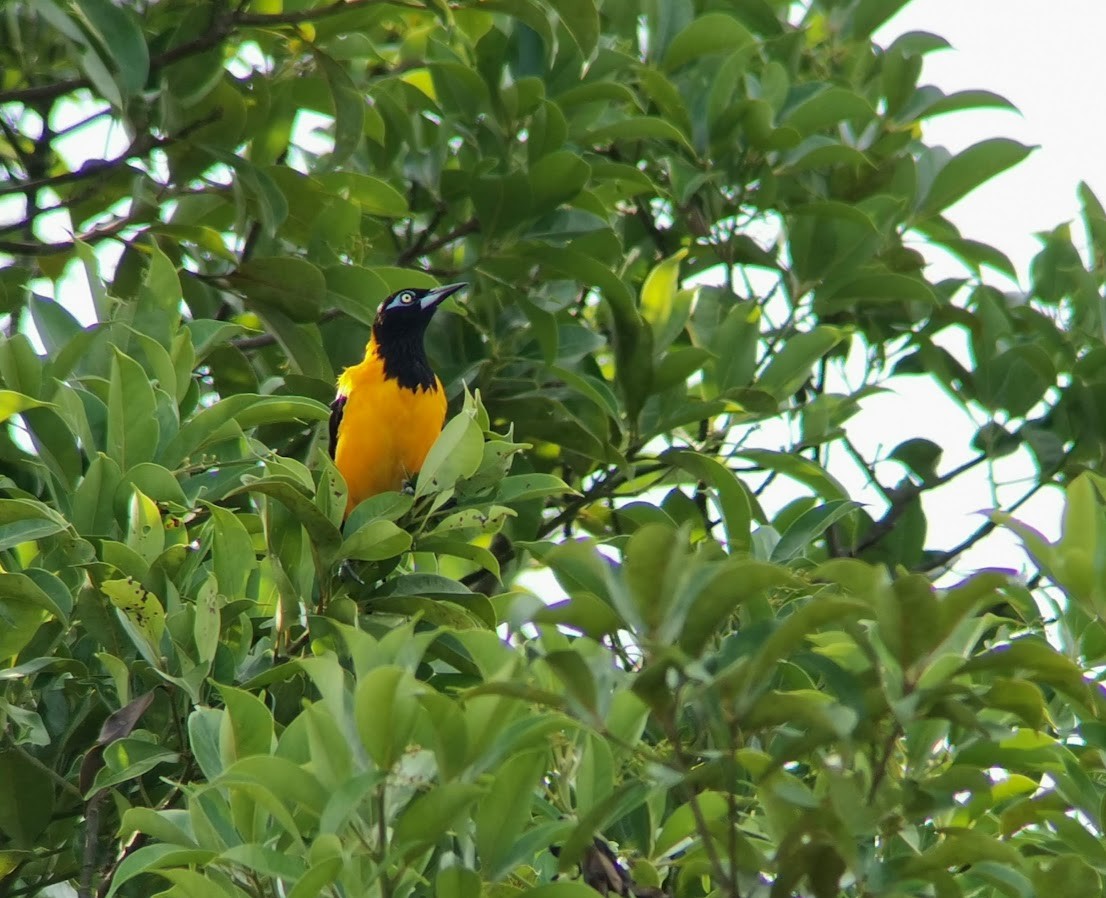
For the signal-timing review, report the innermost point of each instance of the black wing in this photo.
(336, 409)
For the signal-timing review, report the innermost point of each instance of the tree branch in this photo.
(424, 248)
(901, 497)
(50, 249)
(414, 250)
(259, 341)
(939, 561)
(141, 146)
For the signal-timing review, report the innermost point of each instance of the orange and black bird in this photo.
(390, 406)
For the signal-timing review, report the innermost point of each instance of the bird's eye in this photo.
(407, 297)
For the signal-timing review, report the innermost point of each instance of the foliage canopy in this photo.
(697, 235)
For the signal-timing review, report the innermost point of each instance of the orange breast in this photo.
(386, 430)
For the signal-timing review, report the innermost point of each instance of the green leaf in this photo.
(24, 520)
(128, 759)
(632, 340)
(1015, 380)
(455, 454)
(681, 823)
(322, 532)
(786, 637)
(246, 727)
(627, 796)
(882, 287)
(711, 33)
(737, 582)
(272, 207)
(919, 455)
(800, 469)
(317, 877)
(501, 203)
(557, 178)
(356, 291)
(828, 107)
(581, 18)
(390, 506)
(292, 286)
(151, 858)
(437, 612)
(374, 196)
(432, 814)
(504, 811)
(640, 127)
(24, 607)
(732, 497)
(821, 152)
(677, 366)
(808, 527)
(868, 15)
(27, 801)
(141, 608)
(119, 39)
(374, 541)
(965, 846)
(12, 403)
(291, 782)
(145, 531)
(659, 306)
(968, 170)
(132, 426)
(229, 416)
(349, 110)
(232, 552)
(460, 549)
(521, 487)
(457, 882)
(386, 708)
(398, 278)
(942, 104)
(790, 367)
(585, 612)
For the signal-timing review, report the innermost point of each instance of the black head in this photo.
(399, 328)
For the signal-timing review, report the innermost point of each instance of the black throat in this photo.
(401, 351)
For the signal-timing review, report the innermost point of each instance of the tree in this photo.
(690, 228)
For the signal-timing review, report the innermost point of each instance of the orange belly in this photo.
(386, 430)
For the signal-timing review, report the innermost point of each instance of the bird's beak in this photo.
(432, 299)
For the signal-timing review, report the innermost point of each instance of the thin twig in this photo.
(49, 249)
(601, 489)
(417, 248)
(883, 763)
(91, 851)
(141, 146)
(944, 558)
(259, 341)
(462, 230)
(901, 497)
(726, 881)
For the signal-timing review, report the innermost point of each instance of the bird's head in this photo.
(398, 331)
(407, 312)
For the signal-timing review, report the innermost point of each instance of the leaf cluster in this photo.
(632, 629)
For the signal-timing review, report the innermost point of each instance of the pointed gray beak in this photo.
(436, 296)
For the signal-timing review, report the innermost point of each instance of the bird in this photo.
(390, 406)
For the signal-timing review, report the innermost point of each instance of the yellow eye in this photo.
(407, 297)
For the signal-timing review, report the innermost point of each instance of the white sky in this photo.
(1047, 58)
